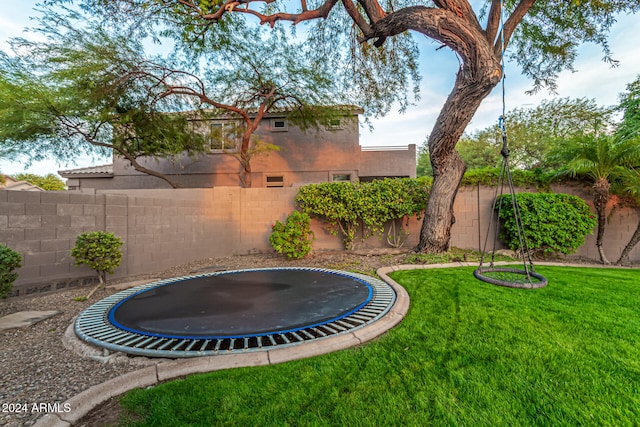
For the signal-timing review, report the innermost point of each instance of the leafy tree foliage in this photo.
(49, 182)
(93, 89)
(630, 106)
(544, 36)
(99, 251)
(80, 92)
(533, 133)
(599, 157)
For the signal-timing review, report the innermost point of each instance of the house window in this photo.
(335, 124)
(275, 181)
(341, 177)
(279, 125)
(225, 136)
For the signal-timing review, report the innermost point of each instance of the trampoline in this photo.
(234, 311)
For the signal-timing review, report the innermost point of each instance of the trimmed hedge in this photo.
(553, 223)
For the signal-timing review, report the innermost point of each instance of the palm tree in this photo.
(600, 157)
(631, 189)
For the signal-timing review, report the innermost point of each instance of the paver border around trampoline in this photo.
(82, 403)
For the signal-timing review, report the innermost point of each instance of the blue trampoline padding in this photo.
(241, 304)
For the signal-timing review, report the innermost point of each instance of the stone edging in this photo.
(82, 403)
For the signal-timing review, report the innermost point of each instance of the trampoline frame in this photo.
(93, 325)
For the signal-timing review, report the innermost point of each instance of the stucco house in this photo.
(330, 153)
(15, 185)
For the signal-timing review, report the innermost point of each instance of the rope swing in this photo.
(524, 277)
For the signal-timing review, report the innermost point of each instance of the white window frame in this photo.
(229, 137)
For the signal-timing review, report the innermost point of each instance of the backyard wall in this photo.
(163, 228)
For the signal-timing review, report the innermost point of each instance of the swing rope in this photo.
(504, 276)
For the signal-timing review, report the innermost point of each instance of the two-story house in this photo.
(330, 153)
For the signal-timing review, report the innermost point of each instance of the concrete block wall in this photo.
(162, 228)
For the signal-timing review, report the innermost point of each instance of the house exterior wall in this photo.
(166, 227)
(388, 161)
(303, 156)
(314, 155)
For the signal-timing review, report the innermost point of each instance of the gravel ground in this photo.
(36, 368)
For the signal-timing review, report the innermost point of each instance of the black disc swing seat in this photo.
(509, 276)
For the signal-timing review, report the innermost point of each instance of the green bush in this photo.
(9, 261)
(293, 237)
(348, 206)
(99, 250)
(552, 222)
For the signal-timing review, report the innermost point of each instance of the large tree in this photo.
(543, 36)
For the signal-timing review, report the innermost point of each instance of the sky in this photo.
(592, 79)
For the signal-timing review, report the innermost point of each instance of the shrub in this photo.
(292, 238)
(347, 206)
(551, 222)
(99, 250)
(9, 261)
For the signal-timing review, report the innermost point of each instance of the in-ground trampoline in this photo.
(234, 311)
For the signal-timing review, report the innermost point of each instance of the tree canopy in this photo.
(49, 182)
(91, 87)
(371, 40)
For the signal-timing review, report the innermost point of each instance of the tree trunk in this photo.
(245, 162)
(600, 199)
(624, 256)
(473, 84)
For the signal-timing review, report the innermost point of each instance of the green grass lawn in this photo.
(468, 354)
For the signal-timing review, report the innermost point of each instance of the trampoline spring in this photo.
(108, 335)
(191, 345)
(120, 338)
(217, 347)
(259, 341)
(246, 343)
(271, 340)
(296, 336)
(156, 341)
(285, 339)
(133, 340)
(96, 329)
(355, 319)
(145, 342)
(166, 344)
(308, 336)
(343, 324)
(231, 344)
(337, 326)
(204, 345)
(319, 332)
(177, 346)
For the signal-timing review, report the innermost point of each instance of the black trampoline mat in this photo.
(240, 304)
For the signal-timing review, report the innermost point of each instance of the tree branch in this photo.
(493, 21)
(512, 22)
